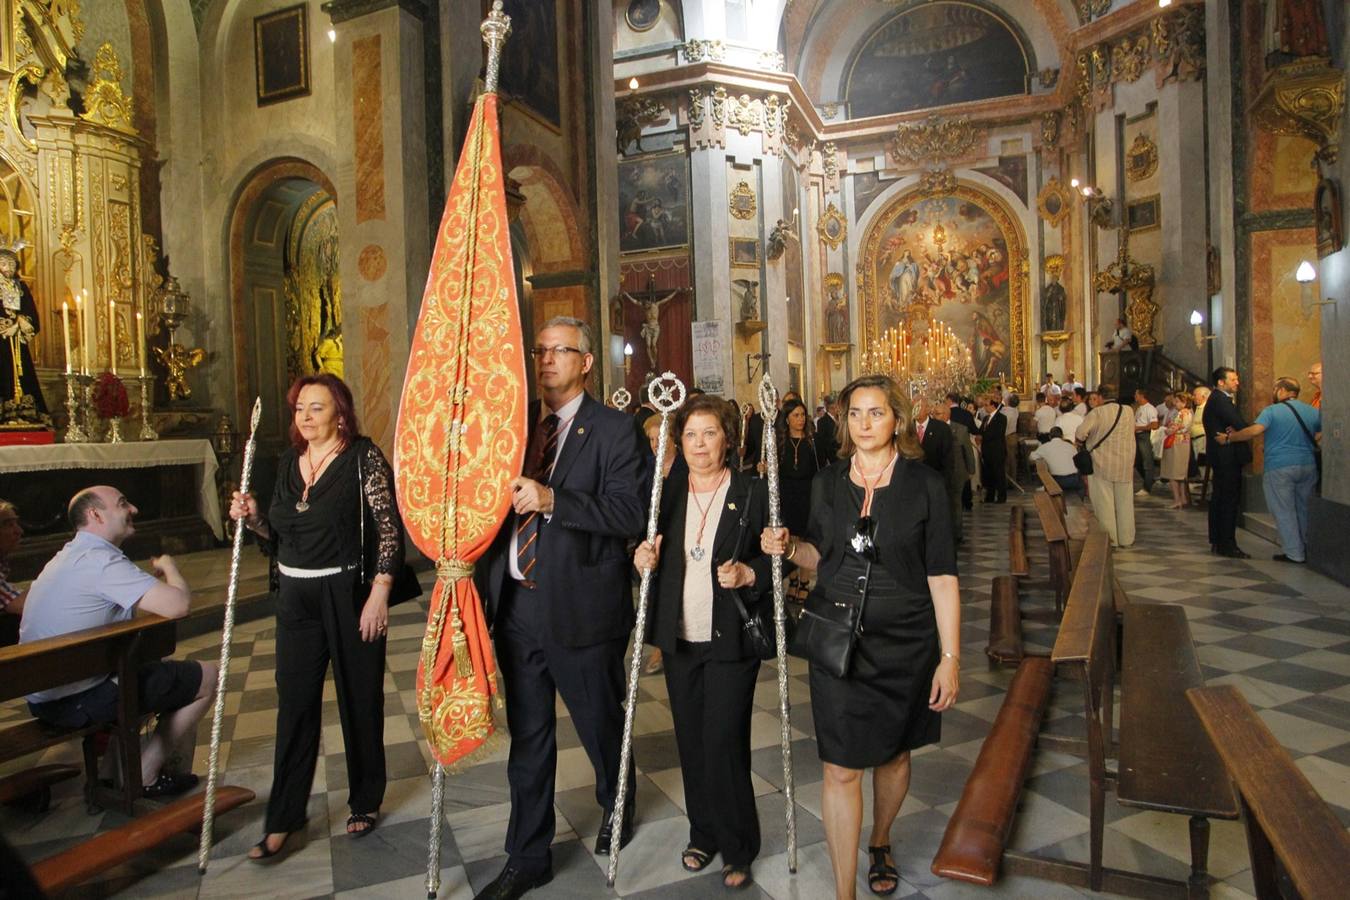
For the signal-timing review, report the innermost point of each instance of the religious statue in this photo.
(836, 312)
(749, 303)
(20, 394)
(651, 315)
(1294, 29)
(1054, 301)
(177, 360)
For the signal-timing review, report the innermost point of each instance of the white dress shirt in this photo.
(1058, 455)
(565, 417)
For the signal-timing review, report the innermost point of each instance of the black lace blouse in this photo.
(329, 532)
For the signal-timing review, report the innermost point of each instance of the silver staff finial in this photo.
(494, 29)
(621, 398)
(257, 415)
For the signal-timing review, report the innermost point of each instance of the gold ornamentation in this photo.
(104, 101)
(1055, 340)
(935, 139)
(745, 115)
(1050, 126)
(1054, 202)
(1305, 98)
(1141, 160)
(632, 116)
(771, 61)
(178, 361)
(937, 183)
(1129, 58)
(29, 74)
(700, 51)
(1054, 265)
(695, 108)
(829, 161)
(742, 201)
(719, 107)
(118, 182)
(1136, 280)
(832, 227)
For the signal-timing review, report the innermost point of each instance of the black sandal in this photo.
(882, 871)
(360, 819)
(729, 870)
(264, 852)
(701, 858)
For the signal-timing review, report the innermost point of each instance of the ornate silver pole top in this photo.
(495, 29)
(253, 419)
(768, 398)
(621, 398)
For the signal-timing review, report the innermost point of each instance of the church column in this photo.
(383, 209)
(1183, 272)
(1219, 37)
(604, 191)
(711, 252)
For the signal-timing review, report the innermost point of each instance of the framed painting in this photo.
(281, 55)
(745, 252)
(1327, 218)
(1143, 214)
(653, 202)
(532, 76)
(1054, 202)
(642, 15)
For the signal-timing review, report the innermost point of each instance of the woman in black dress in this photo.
(334, 488)
(799, 459)
(880, 505)
(710, 518)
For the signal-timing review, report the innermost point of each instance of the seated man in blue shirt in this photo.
(91, 583)
(1292, 430)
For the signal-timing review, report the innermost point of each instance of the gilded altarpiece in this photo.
(79, 174)
(957, 258)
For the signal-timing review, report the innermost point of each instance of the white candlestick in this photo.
(140, 341)
(112, 336)
(65, 331)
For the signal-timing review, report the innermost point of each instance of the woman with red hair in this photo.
(333, 530)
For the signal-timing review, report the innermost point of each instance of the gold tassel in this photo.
(459, 645)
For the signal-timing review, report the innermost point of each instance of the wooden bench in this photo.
(1018, 563)
(86, 859)
(1057, 547)
(1290, 829)
(1052, 487)
(1005, 622)
(122, 649)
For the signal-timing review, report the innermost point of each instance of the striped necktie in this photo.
(540, 468)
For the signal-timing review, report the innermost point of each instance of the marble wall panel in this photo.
(367, 128)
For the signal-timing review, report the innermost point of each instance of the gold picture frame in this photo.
(281, 55)
(744, 252)
(1054, 203)
(832, 227)
(1141, 160)
(742, 201)
(1143, 214)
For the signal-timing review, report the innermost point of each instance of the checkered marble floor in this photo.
(1280, 633)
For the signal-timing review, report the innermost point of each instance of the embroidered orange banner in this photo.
(461, 436)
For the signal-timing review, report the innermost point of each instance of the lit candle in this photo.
(65, 331)
(140, 341)
(112, 336)
(84, 334)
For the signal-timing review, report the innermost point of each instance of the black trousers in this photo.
(536, 669)
(711, 702)
(317, 622)
(995, 478)
(1143, 458)
(1224, 501)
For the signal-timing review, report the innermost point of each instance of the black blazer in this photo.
(582, 563)
(992, 446)
(937, 447)
(827, 438)
(1220, 415)
(747, 498)
(964, 417)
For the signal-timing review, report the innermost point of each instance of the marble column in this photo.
(1182, 276)
(383, 215)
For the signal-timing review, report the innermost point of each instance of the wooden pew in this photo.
(33, 787)
(1290, 828)
(121, 648)
(86, 859)
(1052, 487)
(1018, 563)
(1057, 547)
(1005, 622)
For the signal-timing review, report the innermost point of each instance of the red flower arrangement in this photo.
(110, 397)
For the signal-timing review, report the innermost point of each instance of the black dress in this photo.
(798, 463)
(881, 708)
(25, 316)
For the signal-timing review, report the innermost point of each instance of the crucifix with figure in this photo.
(651, 314)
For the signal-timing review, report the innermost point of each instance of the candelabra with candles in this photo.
(933, 360)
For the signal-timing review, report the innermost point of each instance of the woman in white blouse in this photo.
(707, 548)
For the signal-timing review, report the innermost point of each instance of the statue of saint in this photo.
(651, 317)
(749, 303)
(20, 394)
(836, 315)
(1054, 304)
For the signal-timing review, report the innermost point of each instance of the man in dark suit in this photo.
(959, 415)
(994, 452)
(827, 429)
(1226, 462)
(935, 437)
(558, 594)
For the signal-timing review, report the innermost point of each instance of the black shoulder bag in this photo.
(1082, 460)
(405, 586)
(758, 626)
(1316, 448)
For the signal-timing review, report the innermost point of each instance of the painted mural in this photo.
(932, 55)
(954, 260)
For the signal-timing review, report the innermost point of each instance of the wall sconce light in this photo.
(1100, 208)
(627, 359)
(633, 83)
(1163, 4)
(1200, 337)
(1305, 275)
(782, 232)
(332, 35)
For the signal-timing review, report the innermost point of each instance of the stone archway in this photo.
(284, 214)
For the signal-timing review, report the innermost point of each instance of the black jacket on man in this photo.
(937, 447)
(1226, 462)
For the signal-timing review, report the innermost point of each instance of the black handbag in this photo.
(405, 586)
(758, 625)
(1082, 460)
(827, 631)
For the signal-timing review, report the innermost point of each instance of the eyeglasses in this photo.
(862, 541)
(541, 352)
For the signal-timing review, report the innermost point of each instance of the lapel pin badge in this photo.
(731, 506)
(581, 430)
